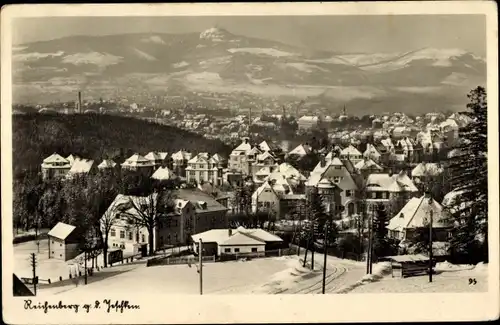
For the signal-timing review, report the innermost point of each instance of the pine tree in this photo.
(469, 178)
(316, 220)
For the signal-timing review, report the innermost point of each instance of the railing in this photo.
(179, 260)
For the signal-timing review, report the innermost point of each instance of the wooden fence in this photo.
(179, 260)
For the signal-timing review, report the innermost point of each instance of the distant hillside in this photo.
(36, 136)
(217, 61)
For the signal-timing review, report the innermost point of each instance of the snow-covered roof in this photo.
(106, 163)
(241, 239)
(244, 146)
(307, 118)
(350, 151)
(55, 159)
(367, 164)
(264, 146)
(392, 183)
(137, 160)
(154, 155)
(61, 230)
(426, 169)
(181, 155)
(240, 236)
(300, 150)
(416, 214)
(81, 166)
(371, 151)
(163, 173)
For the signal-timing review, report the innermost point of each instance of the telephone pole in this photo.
(325, 242)
(430, 247)
(200, 254)
(371, 238)
(33, 265)
(85, 263)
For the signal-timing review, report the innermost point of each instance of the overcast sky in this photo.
(336, 33)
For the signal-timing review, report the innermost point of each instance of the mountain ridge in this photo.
(219, 61)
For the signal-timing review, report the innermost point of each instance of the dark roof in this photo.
(20, 289)
(196, 197)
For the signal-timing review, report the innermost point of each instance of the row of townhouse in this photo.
(56, 166)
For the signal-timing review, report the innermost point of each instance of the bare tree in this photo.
(150, 211)
(107, 221)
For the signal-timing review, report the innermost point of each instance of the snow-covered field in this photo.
(449, 279)
(259, 276)
(278, 275)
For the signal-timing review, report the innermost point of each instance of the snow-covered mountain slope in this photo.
(237, 59)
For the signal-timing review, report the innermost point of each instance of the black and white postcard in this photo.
(250, 163)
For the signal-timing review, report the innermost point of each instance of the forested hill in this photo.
(95, 136)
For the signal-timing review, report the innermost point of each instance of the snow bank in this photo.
(449, 267)
(481, 268)
(378, 272)
(285, 279)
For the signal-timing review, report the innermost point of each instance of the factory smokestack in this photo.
(80, 102)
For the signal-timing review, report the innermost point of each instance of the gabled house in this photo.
(157, 158)
(382, 188)
(265, 159)
(55, 166)
(417, 214)
(163, 174)
(367, 166)
(372, 153)
(335, 171)
(81, 167)
(203, 168)
(240, 157)
(179, 162)
(107, 164)
(137, 162)
(174, 228)
(301, 150)
(63, 242)
(425, 171)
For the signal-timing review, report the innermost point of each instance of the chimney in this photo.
(230, 232)
(322, 160)
(79, 102)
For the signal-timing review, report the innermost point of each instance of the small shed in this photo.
(63, 242)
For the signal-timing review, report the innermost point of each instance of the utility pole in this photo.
(368, 248)
(430, 245)
(325, 243)
(33, 265)
(371, 238)
(200, 254)
(85, 263)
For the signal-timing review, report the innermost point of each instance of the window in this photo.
(200, 166)
(336, 179)
(348, 193)
(122, 234)
(143, 238)
(192, 173)
(374, 195)
(130, 235)
(60, 245)
(236, 250)
(52, 242)
(52, 252)
(113, 232)
(60, 255)
(254, 249)
(338, 167)
(226, 250)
